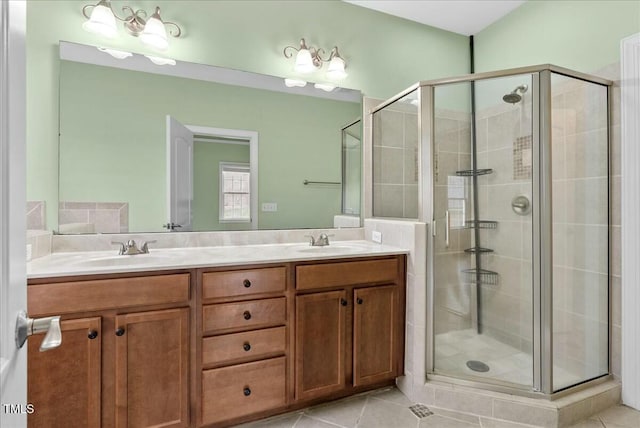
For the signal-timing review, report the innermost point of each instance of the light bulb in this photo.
(102, 21)
(335, 70)
(324, 86)
(154, 34)
(304, 62)
(161, 61)
(115, 53)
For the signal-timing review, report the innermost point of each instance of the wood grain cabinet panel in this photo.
(325, 275)
(64, 383)
(234, 283)
(249, 345)
(375, 334)
(152, 369)
(253, 314)
(320, 344)
(243, 389)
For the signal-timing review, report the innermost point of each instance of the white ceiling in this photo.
(465, 17)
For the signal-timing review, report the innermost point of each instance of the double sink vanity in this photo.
(213, 336)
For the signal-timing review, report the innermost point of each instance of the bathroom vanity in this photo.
(215, 343)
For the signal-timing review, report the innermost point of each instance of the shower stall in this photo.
(511, 171)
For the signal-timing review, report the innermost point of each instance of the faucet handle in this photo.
(312, 240)
(123, 248)
(145, 246)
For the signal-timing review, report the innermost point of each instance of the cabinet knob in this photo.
(247, 391)
(120, 331)
(359, 300)
(246, 283)
(246, 346)
(93, 334)
(247, 315)
(343, 302)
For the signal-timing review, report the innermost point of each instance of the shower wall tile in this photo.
(93, 217)
(586, 201)
(503, 129)
(585, 154)
(390, 128)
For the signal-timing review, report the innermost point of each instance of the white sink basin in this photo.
(331, 248)
(117, 260)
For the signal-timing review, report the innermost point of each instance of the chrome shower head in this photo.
(516, 95)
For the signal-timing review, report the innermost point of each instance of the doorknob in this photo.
(26, 327)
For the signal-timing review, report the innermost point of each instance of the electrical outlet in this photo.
(269, 207)
(376, 237)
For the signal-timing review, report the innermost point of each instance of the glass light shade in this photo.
(304, 62)
(324, 86)
(161, 61)
(115, 53)
(291, 83)
(101, 22)
(335, 70)
(154, 34)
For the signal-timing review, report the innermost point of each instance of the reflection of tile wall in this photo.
(36, 215)
(395, 162)
(93, 217)
(453, 306)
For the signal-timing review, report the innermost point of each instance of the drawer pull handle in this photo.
(92, 334)
(246, 346)
(120, 331)
(359, 300)
(247, 392)
(343, 302)
(247, 315)
(246, 283)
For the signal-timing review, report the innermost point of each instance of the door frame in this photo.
(239, 134)
(13, 277)
(630, 224)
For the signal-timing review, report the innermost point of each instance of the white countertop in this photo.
(105, 262)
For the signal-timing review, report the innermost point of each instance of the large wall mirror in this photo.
(190, 147)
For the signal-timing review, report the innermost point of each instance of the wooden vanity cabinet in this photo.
(64, 383)
(353, 336)
(124, 360)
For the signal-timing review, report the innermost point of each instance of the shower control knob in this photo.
(521, 205)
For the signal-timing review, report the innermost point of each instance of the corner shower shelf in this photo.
(475, 250)
(473, 172)
(482, 276)
(480, 224)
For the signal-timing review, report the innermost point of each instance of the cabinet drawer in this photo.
(82, 296)
(239, 315)
(249, 345)
(346, 273)
(231, 392)
(243, 282)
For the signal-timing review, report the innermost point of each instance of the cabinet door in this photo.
(64, 383)
(320, 344)
(152, 363)
(375, 334)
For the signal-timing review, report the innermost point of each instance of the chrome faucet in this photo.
(322, 241)
(131, 248)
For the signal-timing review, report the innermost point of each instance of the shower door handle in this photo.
(446, 228)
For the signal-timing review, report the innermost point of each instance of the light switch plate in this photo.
(269, 207)
(376, 237)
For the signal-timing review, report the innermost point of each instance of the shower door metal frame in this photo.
(542, 256)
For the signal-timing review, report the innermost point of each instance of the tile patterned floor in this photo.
(389, 408)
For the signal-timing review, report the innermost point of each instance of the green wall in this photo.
(581, 35)
(113, 141)
(206, 183)
(385, 54)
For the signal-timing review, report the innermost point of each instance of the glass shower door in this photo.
(482, 199)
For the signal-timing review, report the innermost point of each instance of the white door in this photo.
(13, 287)
(180, 175)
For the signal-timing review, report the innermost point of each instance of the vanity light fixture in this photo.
(324, 86)
(161, 61)
(309, 59)
(152, 32)
(115, 52)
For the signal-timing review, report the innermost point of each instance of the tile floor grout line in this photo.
(315, 418)
(300, 415)
(364, 406)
